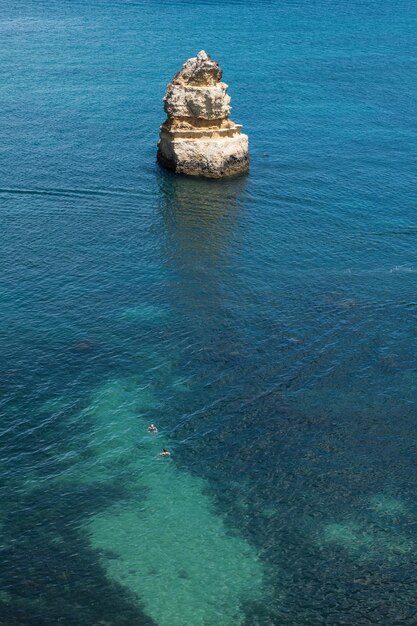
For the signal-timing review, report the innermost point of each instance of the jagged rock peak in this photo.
(199, 70)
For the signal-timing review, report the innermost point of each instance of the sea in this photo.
(265, 323)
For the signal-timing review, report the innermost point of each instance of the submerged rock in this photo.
(198, 138)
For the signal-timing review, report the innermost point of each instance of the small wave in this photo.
(391, 233)
(73, 192)
(403, 268)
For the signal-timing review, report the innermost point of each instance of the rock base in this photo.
(212, 158)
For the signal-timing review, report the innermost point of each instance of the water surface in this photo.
(266, 324)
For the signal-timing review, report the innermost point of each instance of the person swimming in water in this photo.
(152, 428)
(165, 452)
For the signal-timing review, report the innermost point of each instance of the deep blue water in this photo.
(266, 324)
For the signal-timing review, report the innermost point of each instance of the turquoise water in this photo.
(266, 324)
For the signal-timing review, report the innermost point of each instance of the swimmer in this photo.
(152, 428)
(165, 452)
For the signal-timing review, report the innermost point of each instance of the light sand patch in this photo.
(171, 549)
(387, 505)
(176, 554)
(144, 313)
(366, 541)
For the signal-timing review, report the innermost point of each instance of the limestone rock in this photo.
(198, 138)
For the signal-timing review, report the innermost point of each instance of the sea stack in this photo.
(198, 138)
